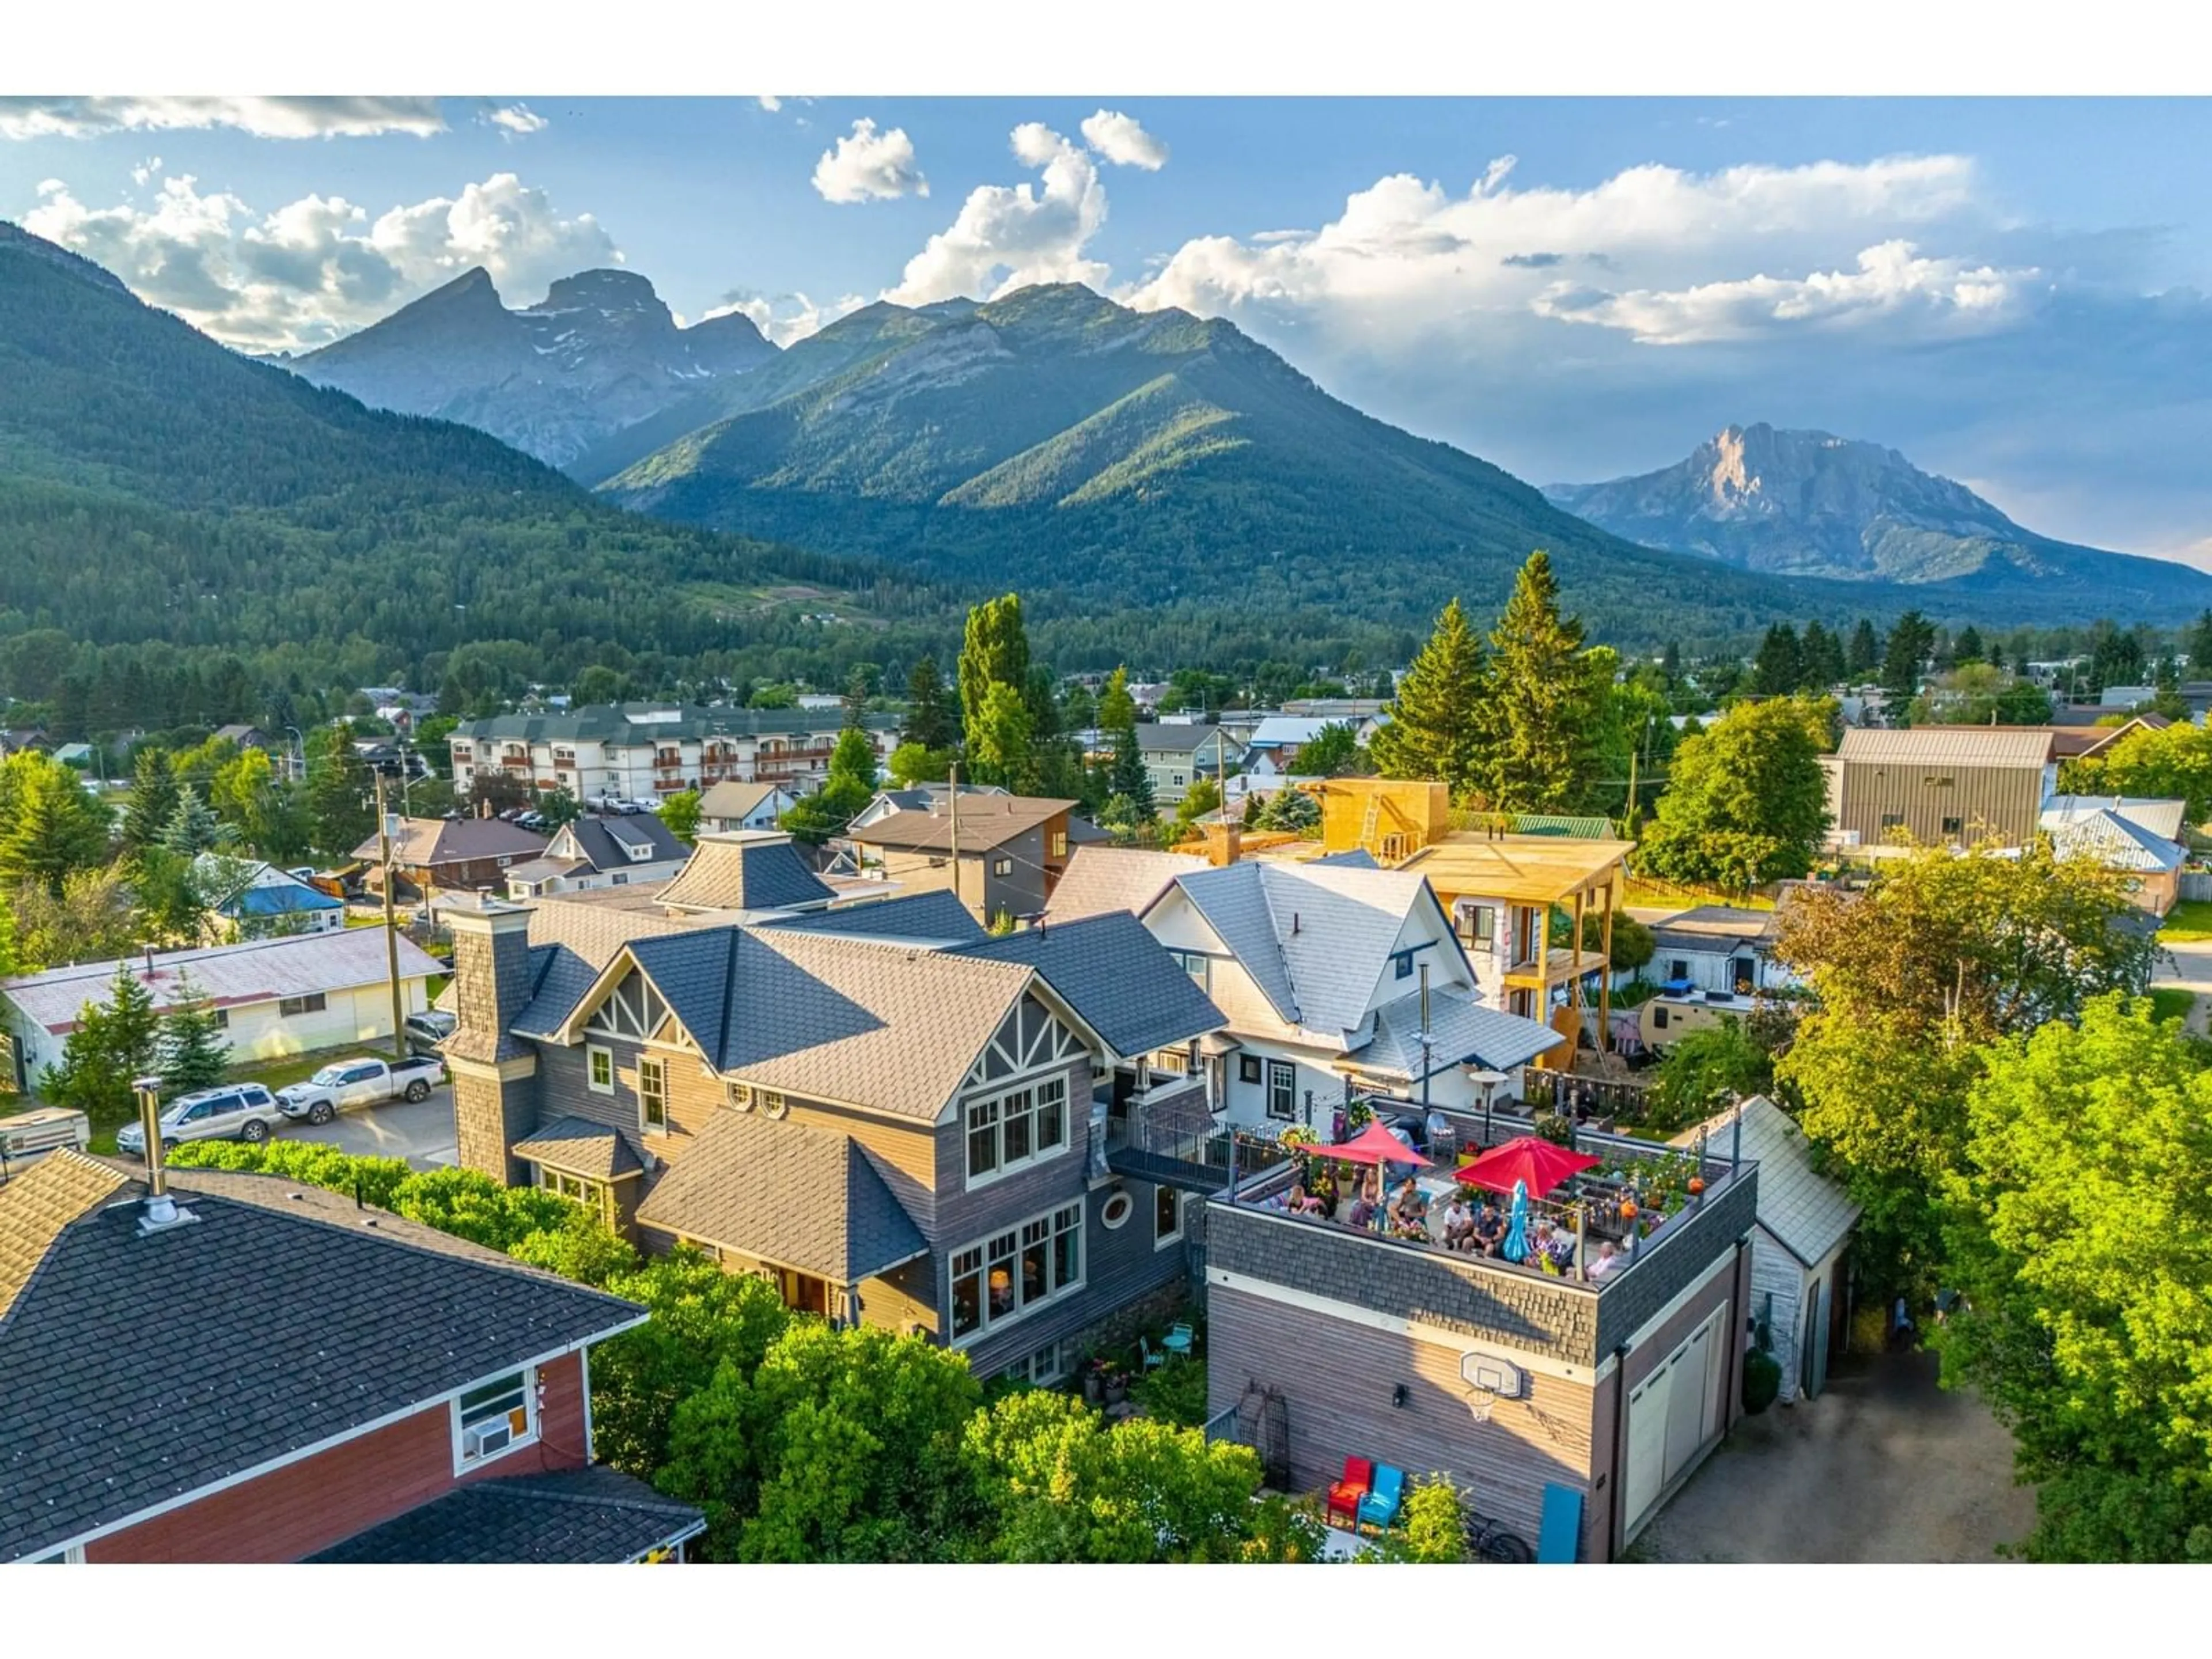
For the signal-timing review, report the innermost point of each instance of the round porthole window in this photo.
(1116, 1209)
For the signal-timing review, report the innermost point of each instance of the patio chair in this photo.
(1344, 1496)
(1379, 1509)
(1178, 1341)
(1152, 1356)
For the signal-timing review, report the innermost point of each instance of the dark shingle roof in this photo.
(140, 1368)
(802, 1197)
(932, 917)
(570, 1517)
(1116, 976)
(607, 842)
(578, 1146)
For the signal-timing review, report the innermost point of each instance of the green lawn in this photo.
(2189, 922)
(2171, 1003)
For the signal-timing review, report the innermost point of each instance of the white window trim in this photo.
(1268, 1084)
(1160, 1241)
(990, 1327)
(591, 1053)
(998, 1093)
(532, 1406)
(645, 1126)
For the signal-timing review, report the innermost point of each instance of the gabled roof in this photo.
(1947, 745)
(732, 800)
(2113, 841)
(1180, 737)
(617, 843)
(1315, 938)
(788, 1193)
(1116, 976)
(747, 870)
(2166, 819)
(1809, 1213)
(936, 918)
(985, 823)
(428, 843)
(565, 1517)
(142, 1367)
(1098, 879)
(229, 975)
(1460, 1031)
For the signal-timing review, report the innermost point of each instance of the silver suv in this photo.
(236, 1111)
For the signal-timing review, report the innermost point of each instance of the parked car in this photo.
(361, 1082)
(425, 1031)
(27, 1135)
(231, 1111)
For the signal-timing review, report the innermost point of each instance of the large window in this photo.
(1167, 1217)
(495, 1419)
(1195, 964)
(1007, 1276)
(1047, 1365)
(591, 1194)
(652, 1093)
(1282, 1090)
(1478, 925)
(1021, 1127)
(313, 1003)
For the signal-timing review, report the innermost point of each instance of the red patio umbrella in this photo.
(1375, 1144)
(1542, 1164)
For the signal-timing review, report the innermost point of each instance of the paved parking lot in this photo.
(1884, 1466)
(422, 1133)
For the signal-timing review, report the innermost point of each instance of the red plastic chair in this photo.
(1344, 1497)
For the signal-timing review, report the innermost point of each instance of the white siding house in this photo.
(274, 996)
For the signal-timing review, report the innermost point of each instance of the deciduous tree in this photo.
(679, 812)
(1746, 800)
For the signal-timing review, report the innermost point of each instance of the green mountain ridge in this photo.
(1094, 456)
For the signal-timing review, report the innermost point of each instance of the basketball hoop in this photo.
(1480, 1405)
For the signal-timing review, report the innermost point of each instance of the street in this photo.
(422, 1133)
(2188, 967)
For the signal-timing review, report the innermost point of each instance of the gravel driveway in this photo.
(1885, 1466)
(420, 1131)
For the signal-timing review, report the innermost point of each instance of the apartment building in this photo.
(642, 751)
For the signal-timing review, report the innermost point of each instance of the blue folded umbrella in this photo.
(1515, 1248)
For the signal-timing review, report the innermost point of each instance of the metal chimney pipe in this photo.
(149, 1091)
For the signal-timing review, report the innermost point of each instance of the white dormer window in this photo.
(639, 852)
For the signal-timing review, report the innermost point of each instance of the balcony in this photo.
(782, 762)
(1563, 1309)
(1167, 1134)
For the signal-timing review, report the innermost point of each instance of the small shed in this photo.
(1799, 1239)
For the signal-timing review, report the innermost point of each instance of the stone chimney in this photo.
(1224, 844)
(495, 1071)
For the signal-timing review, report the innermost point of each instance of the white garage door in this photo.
(1671, 1413)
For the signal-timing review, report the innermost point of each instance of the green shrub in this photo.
(1433, 1523)
(1175, 1393)
(1762, 1381)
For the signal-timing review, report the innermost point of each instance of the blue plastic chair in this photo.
(1152, 1356)
(1379, 1509)
(1561, 1540)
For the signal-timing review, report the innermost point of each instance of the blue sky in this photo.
(2008, 291)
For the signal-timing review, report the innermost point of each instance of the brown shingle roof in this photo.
(986, 822)
(1098, 879)
(428, 842)
(37, 1205)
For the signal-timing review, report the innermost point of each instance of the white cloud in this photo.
(1118, 139)
(869, 166)
(1892, 280)
(146, 169)
(517, 119)
(784, 317)
(1008, 236)
(265, 117)
(770, 103)
(306, 272)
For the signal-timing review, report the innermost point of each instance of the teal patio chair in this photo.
(1379, 1509)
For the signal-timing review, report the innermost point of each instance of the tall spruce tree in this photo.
(1910, 640)
(931, 719)
(1865, 653)
(193, 827)
(340, 793)
(1780, 665)
(1435, 726)
(153, 801)
(51, 828)
(1966, 647)
(1820, 659)
(1541, 710)
(194, 1053)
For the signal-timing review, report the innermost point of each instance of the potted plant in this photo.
(1094, 1381)
(1117, 1384)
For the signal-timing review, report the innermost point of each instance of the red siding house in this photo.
(211, 1367)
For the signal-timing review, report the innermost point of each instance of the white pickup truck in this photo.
(363, 1082)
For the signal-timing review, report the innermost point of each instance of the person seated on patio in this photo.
(1458, 1224)
(1559, 1244)
(1489, 1230)
(1409, 1210)
(1362, 1212)
(1303, 1202)
(1609, 1261)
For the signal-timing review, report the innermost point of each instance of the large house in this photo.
(271, 997)
(1719, 947)
(211, 1367)
(1002, 854)
(453, 855)
(641, 751)
(729, 805)
(601, 852)
(894, 1117)
(1176, 754)
(259, 900)
(1955, 784)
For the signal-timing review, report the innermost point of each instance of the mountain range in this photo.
(599, 352)
(1811, 504)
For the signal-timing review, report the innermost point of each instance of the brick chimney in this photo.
(495, 1071)
(1224, 844)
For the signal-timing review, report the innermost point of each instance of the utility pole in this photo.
(953, 775)
(391, 925)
